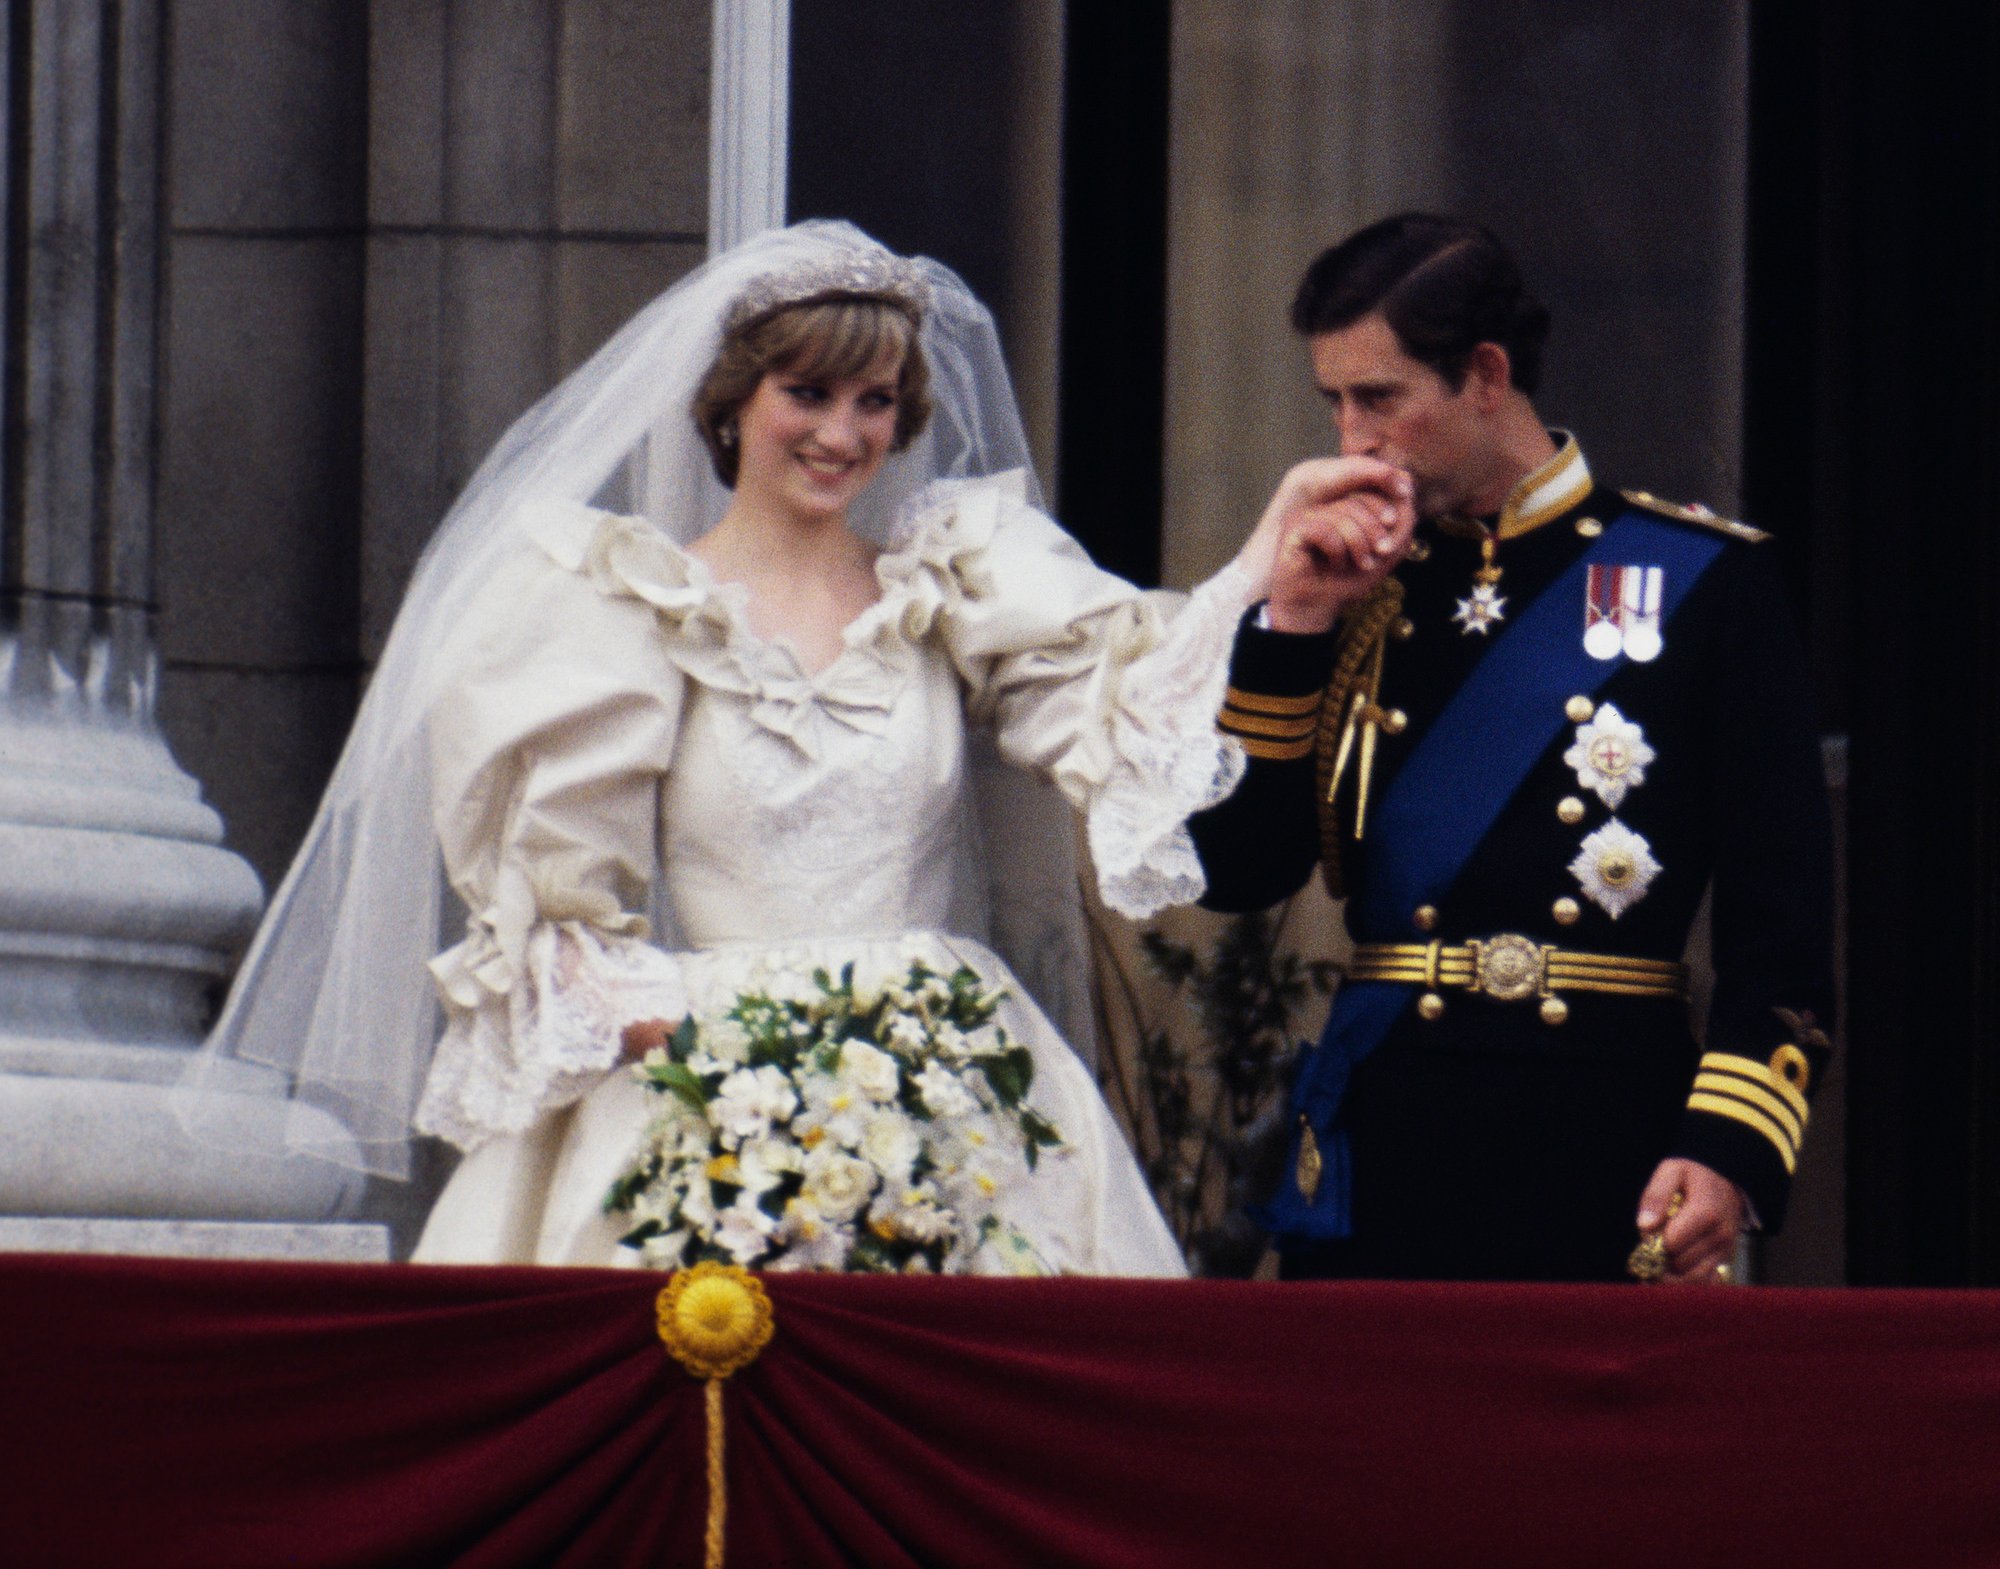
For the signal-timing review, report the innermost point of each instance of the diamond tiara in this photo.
(878, 275)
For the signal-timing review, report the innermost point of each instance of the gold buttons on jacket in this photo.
(1402, 629)
(1395, 722)
(1589, 528)
(1566, 912)
(1554, 1010)
(1425, 918)
(1570, 809)
(1579, 709)
(1430, 1006)
(1420, 550)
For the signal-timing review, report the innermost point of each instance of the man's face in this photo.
(1387, 405)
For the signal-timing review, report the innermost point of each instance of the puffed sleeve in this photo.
(546, 751)
(1109, 692)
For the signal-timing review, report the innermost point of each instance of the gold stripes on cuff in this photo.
(1748, 1091)
(1276, 728)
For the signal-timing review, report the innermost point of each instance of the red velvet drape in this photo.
(160, 1413)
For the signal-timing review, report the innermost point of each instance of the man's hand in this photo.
(644, 1035)
(1334, 528)
(1703, 1235)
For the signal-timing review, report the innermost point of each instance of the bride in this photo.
(687, 697)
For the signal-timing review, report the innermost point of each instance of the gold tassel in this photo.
(1648, 1262)
(1310, 1165)
(714, 1319)
(718, 1481)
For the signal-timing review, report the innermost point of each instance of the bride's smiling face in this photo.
(809, 445)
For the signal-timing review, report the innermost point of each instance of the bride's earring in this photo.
(725, 433)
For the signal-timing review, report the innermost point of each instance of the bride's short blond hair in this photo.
(824, 339)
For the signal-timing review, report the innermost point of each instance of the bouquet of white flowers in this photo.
(836, 1126)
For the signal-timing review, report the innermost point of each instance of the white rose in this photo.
(890, 1144)
(871, 1071)
(837, 1185)
(724, 1039)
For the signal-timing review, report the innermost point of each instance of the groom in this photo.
(1522, 739)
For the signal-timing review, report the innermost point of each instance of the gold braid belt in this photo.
(1512, 968)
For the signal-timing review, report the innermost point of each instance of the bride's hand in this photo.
(644, 1035)
(1334, 528)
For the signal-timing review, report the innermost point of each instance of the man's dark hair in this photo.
(1444, 285)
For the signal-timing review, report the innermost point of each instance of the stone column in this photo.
(750, 43)
(120, 912)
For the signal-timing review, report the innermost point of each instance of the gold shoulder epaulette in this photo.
(1695, 514)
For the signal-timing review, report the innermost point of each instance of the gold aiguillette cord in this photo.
(1364, 717)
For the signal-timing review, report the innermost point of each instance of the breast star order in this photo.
(1610, 755)
(1485, 608)
(1615, 867)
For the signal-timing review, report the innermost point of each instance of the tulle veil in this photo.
(333, 991)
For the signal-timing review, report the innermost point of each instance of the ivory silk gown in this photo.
(617, 739)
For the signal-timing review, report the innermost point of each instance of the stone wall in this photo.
(1605, 146)
(390, 227)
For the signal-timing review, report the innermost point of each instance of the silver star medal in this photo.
(1482, 610)
(1615, 867)
(1610, 755)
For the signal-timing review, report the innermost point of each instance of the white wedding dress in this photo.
(614, 721)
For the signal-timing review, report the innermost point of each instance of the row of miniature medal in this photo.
(1621, 606)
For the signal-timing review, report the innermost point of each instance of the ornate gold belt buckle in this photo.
(1508, 968)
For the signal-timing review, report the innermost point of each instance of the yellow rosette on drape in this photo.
(714, 1320)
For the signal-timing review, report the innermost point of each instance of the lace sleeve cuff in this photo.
(524, 1037)
(1171, 760)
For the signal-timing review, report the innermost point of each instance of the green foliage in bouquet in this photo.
(836, 1125)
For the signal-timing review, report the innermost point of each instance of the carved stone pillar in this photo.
(120, 912)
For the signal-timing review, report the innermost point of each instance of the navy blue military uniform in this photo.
(1526, 1056)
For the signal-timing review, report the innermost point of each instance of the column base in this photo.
(298, 1243)
(119, 1151)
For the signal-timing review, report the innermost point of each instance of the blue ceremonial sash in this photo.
(1441, 804)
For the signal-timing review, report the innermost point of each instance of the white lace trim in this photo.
(1172, 760)
(518, 1044)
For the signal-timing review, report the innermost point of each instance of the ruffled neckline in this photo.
(931, 563)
